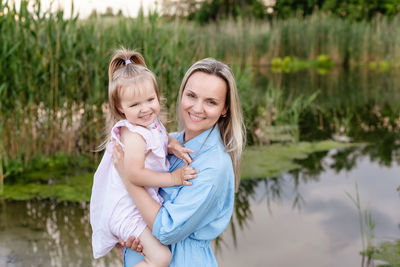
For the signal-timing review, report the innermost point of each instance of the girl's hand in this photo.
(118, 159)
(133, 244)
(181, 152)
(182, 175)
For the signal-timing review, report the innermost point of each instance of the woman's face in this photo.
(202, 103)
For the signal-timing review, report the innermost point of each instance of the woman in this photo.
(210, 115)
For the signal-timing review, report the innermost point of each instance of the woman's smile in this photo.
(196, 118)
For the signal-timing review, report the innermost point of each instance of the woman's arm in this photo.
(135, 149)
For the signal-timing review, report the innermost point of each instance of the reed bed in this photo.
(53, 82)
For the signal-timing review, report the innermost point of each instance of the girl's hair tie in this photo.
(127, 62)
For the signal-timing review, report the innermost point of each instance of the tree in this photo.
(204, 11)
(350, 9)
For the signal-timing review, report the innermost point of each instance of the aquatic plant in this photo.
(278, 116)
(389, 252)
(367, 225)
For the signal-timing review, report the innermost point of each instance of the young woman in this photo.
(210, 116)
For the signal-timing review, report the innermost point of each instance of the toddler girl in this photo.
(134, 104)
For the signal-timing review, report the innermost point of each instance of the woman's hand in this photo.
(181, 152)
(133, 244)
(118, 159)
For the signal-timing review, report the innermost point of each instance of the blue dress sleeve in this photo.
(181, 216)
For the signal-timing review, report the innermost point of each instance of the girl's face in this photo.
(202, 103)
(140, 108)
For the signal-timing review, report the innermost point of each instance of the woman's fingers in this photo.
(129, 242)
(117, 155)
(133, 244)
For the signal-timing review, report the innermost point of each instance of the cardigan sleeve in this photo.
(189, 210)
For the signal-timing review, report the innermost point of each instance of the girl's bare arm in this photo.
(133, 161)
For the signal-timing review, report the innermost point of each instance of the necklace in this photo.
(198, 151)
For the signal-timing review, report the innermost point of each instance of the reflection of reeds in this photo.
(367, 226)
(278, 116)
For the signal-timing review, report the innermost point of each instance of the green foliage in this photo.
(216, 10)
(47, 170)
(76, 189)
(65, 178)
(288, 64)
(388, 252)
(352, 10)
(54, 70)
(274, 160)
(278, 116)
(367, 226)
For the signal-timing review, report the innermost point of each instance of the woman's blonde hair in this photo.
(127, 69)
(231, 125)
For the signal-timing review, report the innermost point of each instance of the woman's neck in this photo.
(189, 135)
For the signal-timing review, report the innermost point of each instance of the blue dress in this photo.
(191, 216)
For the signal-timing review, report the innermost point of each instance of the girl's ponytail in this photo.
(119, 59)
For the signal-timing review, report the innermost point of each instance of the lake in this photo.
(302, 218)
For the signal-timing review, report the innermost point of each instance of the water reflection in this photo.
(47, 234)
(308, 219)
(302, 218)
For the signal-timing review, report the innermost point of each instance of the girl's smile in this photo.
(140, 105)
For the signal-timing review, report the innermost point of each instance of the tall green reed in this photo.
(53, 82)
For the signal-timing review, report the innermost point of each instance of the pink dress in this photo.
(113, 214)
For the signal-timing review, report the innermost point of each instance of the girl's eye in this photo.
(211, 102)
(150, 99)
(134, 105)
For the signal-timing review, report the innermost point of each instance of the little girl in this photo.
(134, 104)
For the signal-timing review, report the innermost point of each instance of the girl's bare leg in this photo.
(155, 253)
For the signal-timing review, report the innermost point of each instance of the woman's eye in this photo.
(190, 95)
(134, 105)
(212, 102)
(150, 99)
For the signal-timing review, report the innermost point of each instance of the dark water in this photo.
(303, 218)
